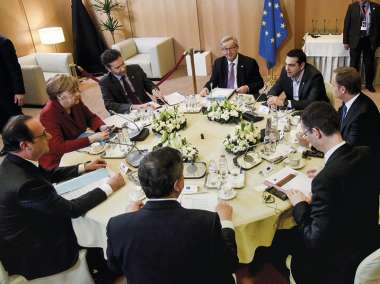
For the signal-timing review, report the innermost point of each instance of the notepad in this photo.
(220, 93)
(287, 179)
(82, 181)
(174, 99)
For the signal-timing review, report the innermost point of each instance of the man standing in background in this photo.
(361, 34)
(11, 83)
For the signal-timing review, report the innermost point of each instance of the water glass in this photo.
(223, 167)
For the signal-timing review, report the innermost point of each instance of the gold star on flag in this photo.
(264, 23)
(283, 26)
(270, 4)
(276, 5)
(272, 40)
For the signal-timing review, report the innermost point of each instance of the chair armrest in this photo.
(28, 59)
(161, 52)
(55, 62)
(35, 85)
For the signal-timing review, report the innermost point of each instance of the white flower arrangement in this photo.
(244, 137)
(169, 120)
(224, 112)
(174, 140)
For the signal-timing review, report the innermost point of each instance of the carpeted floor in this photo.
(180, 82)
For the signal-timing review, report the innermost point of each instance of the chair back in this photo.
(368, 271)
(126, 47)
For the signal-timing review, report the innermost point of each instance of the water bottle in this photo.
(223, 166)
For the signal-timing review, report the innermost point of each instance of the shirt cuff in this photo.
(289, 104)
(227, 224)
(81, 169)
(106, 188)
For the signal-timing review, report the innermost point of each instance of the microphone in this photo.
(138, 134)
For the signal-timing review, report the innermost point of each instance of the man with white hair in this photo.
(234, 70)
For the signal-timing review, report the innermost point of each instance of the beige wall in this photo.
(192, 23)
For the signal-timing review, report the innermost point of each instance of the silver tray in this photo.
(194, 170)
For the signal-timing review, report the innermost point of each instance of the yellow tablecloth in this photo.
(255, 222)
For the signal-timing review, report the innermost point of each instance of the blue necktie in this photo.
(344, 113)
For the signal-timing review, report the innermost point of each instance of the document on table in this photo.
(287, 179)
(174, 98)
(220, 93)
(82, 184)
(204, 201)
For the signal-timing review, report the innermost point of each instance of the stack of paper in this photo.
(174, 99)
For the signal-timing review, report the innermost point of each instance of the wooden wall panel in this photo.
(176, 18)
(13, 26)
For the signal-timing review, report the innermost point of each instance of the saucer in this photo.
(301, 164)
(227, 197)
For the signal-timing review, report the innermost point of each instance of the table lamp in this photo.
(51, 35)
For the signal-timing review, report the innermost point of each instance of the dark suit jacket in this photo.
(340, 225)
(312, 87)
(65, 129)
(163, 243)
(36, 234)
(361, 127)
(352, 23)
(11, 82)
(247, 74)
(113, 93)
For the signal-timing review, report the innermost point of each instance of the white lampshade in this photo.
(51, 35)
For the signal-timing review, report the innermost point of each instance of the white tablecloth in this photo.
(327, 53)
(255, 222)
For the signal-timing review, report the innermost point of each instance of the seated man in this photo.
(36, 234)
(336, 227)
(125, 88)
(234, 70)
(171, 244)
(301, 82)
(359, 116)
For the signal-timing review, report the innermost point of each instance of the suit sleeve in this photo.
(112, 262)
(317, 92)
(347, 25)
(314, 221)
(41, 196)
(60, 174)
(109, 101)
(277, 89)
(225, 247)
(93, 121)
(57, 143)
(215, 74)
(148, 84)
(255, 81)
(9, 59)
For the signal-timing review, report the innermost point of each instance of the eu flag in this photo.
(273, 31)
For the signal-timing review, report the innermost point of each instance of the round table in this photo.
(255, 221)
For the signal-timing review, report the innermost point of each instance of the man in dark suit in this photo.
(125, 88)
(36, 234)
(234, 70)
(11, 83)
(164, 243)
(361, 35)
(301, 82)
(336, 227)
(359, 115)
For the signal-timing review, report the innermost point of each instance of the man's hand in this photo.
(156, 93)
(204, 92)
(19, 99)
(296, 196)
(108, 128)
(346, 46)
(243, 90)
(116, 182)
(134, 206)
(94, 165)
(224, 211)
(276, 101)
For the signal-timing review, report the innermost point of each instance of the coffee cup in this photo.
(294, 158)
(96, 147)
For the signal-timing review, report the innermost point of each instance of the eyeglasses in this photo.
(225, 49)
(43, 135)
(304, 134)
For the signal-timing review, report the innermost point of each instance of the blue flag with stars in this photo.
(273, 31)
